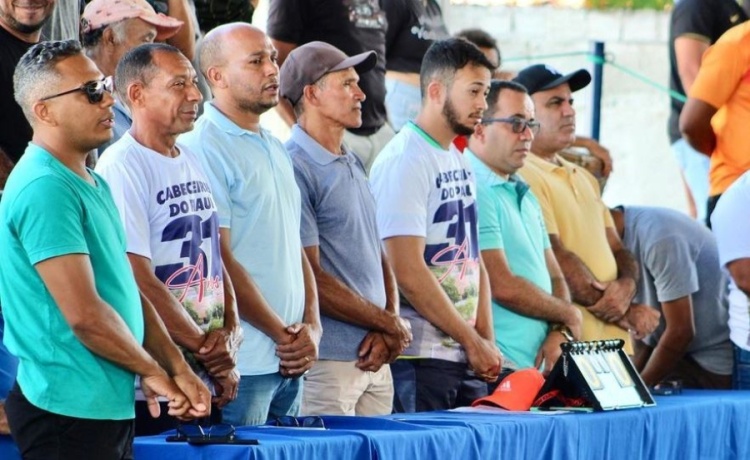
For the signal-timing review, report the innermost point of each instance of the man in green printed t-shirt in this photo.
(74, 316)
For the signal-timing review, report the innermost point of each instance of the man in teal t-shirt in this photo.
(74, 317)
(531, 302)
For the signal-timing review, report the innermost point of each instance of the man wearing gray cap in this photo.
(600, 272)
(357, 290)
(353, 26)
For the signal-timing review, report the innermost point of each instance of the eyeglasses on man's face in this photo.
(518, 125)
(94, 90)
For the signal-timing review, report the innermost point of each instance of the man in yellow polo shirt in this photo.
(717, 114)
(600, 272)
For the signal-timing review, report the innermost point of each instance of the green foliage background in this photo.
(629, 4)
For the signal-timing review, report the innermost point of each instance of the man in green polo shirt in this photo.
(72, 310)
(531, 301)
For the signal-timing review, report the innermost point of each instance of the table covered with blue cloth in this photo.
(694, 425)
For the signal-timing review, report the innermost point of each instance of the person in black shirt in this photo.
(412, 27)
(695, 25)
(20, 28)
(214, 13)
(353, 26)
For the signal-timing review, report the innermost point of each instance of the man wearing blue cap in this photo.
(600, 272)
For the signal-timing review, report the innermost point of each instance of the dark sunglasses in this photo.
(518, 125)
(94, 90)
(301, 422)
(191, 432)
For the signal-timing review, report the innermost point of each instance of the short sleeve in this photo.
(45, 227)
(131, 197)
(542, 227)
(285, 20)
(692, 18)
(221, 178)
(396, 15)
(606, 215)
(542, 194)
(309, 233)
(672, 267)
(730, 222)
(401, 187)
(723, 67)
(490, 231)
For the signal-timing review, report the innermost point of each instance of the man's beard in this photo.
(451, 116)
(257, 107)
(20, 27)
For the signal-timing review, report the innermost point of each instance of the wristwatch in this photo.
(564, 330)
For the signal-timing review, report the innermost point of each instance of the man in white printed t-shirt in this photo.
(170, 218)
(427, 218)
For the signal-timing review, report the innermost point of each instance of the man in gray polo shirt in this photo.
(680, 277)
(357, 290)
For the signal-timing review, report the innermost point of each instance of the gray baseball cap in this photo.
(310, 62)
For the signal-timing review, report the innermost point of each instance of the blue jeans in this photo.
(741, 370)
(695, 166)
(263, 397)
(402, 101)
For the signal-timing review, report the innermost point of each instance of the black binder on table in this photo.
(597, 375)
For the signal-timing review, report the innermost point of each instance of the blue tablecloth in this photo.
(8, 450)
(275, 444)
(357, 438)
(695, 425)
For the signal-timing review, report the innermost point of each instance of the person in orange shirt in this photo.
(717, 113)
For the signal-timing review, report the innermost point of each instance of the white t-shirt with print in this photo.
(170, 217)
(425, 191)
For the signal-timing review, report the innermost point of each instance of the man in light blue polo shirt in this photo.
(252, 181)
(531, 302)
(358, 294)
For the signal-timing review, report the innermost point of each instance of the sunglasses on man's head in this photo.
(94, 90)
